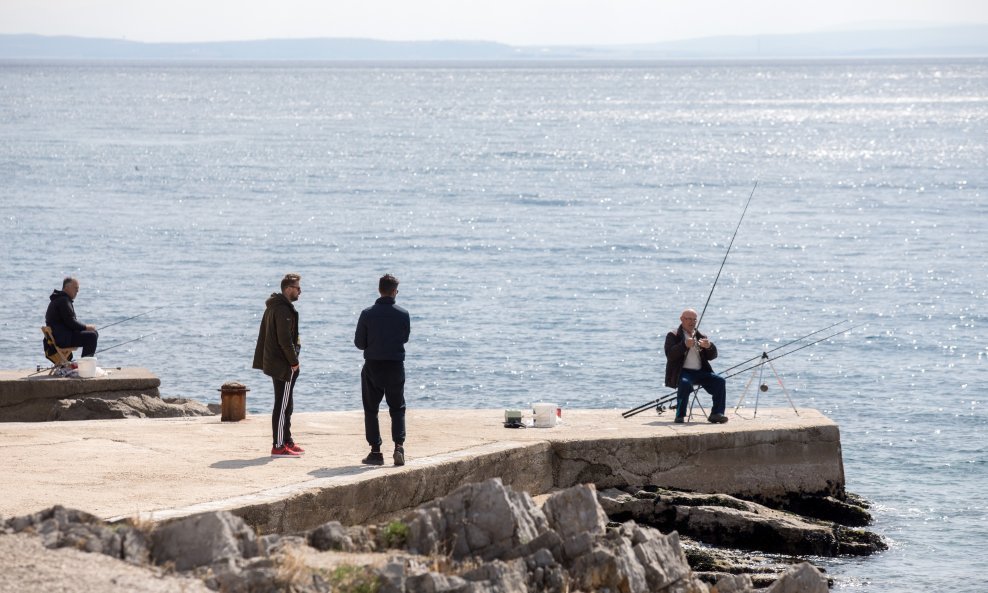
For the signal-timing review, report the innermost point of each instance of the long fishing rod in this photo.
(123, 343)
(800, 339)
(129, 318)
(731, 244)
(659, 402)
(766, 358)
(696, 327)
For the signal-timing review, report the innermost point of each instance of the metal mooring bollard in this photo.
(233, 401)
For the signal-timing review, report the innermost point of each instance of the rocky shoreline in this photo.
(482, 537)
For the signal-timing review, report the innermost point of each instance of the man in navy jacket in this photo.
(68, 331)
(382, 332)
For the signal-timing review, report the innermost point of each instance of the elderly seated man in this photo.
(68, 331)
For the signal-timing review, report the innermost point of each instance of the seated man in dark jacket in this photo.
(382, 332)
(688, 356)
(68, 331)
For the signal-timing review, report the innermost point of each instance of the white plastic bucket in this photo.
(86, 367)
(545, 414)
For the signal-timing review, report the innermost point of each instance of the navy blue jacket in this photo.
(60, 317)
(382, 331)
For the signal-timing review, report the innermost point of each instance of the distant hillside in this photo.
(953, 41)
(41, 47)
(956, 41)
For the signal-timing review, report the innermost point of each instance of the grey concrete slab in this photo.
(26, 385)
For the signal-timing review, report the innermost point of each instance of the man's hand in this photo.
(90, 327)
(704, 343)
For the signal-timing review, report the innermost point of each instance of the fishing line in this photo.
(784, 345)
(731, 244)
(129, 318)
(766, 358)
(123, 343)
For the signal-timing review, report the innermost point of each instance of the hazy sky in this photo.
(517, 22)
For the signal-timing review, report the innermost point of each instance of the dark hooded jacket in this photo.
(60, 317)
(383, 330)
(278, 342)
(676, 356)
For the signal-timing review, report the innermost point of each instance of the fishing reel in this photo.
(665, 404)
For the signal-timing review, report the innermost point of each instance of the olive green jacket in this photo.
(278, 343)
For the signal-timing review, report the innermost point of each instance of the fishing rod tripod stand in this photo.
(760, 371)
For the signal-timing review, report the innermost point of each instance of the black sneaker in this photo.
(679, 420)
(717, 418)
(373, 458)
(399, 455)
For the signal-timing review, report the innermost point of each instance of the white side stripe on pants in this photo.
(281, 414)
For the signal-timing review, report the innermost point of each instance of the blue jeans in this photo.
(711, 383)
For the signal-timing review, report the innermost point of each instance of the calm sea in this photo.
(548, 223)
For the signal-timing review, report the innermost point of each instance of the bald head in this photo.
(688, 319)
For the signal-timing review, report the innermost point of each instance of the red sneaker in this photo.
(296, 448)
(284, 451)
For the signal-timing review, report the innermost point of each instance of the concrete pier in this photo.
(164, 468)
(29, 396)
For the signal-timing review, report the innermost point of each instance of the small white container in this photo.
(545, 414)
(86, 367)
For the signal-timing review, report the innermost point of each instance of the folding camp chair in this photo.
(61, 358)
(695, 401)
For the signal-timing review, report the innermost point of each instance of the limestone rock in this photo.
(710, 564)
(191, 407)
(509, 546)
(610, 565)
(734, 583)
(202, 540)
(573, 548)
(851, 512)
(661, 556)
(330, 536)
(60, 527)
(131, 406)
(485, 519)
(499, 577)
(29, 567)
(723, 520)
(545, 573)
(574, 511)
(432, 582)
(802, 578)
(774, 532)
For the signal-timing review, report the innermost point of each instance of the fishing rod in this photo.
(764, 358)
(129, 318)
(123, 343)
(696, 327)
(783, 346)
(731, 244)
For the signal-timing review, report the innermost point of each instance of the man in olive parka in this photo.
(276, 354)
